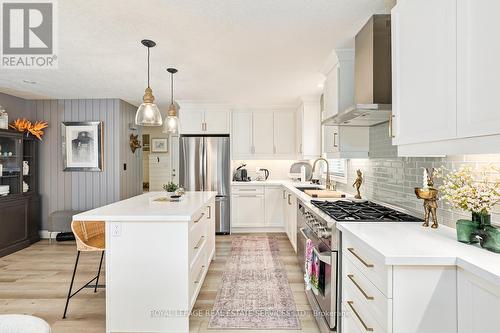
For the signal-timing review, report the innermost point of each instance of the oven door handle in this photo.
(325, 257)
(303, 233)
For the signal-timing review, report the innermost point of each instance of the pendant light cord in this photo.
(148, 66)
(172, 88)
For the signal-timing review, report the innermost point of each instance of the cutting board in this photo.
(324, 194)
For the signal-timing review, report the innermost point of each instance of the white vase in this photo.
(26, 168)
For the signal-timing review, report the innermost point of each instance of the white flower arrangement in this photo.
(476, 191)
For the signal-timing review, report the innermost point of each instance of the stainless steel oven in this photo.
(325, 302)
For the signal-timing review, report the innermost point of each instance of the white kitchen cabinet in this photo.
(444, 76)
(309, 129)
(478, 304)
(264, 134)
(424, 71)
(478, 67)
(204, 119)
(338, 93)
(284, 133)
(263, 129)
(274, 205)
(290, 218)
(346, 142)
(242, 135)
(248, 210)
(191, 121)
(217, 121)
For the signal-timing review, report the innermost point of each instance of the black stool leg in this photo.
(98, 273)
(71, 285)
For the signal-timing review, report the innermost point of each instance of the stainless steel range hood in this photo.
(373, 86)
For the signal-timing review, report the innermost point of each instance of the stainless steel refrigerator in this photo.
(204, 165)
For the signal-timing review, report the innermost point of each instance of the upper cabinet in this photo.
(338, 90)
(309, 129)
(445, 70)
(478, 67)
(204, 119)
(346, 142)
(264, 134)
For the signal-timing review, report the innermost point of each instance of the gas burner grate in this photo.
(345, 211)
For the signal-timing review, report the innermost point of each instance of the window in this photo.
(338, 169)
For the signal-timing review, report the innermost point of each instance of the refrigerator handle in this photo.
(203, 164)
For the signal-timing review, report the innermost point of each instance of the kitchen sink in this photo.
(305, 188)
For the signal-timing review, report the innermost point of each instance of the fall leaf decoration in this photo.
(37, 129)
(24, 125)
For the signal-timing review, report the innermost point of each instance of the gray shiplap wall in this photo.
(130, 179)
(85, 190)
(16, 107)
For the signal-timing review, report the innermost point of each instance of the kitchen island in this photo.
(157, 256)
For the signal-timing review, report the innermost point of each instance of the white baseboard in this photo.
(45, 234)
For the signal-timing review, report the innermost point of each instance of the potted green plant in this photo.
(170, 187)
(476, 191)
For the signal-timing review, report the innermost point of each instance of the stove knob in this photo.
(325, 234)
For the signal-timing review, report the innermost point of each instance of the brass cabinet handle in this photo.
(351, 277)
(391, 133)
(350, 249)
(197, 246)
(368, 329)
(335, 139)
(284, 194)
(289, 197)
(199, 219)
(198, 278)
(209, 212)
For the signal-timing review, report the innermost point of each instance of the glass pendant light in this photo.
(172, 120)
(148, 113)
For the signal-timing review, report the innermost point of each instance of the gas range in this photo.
(367, 211)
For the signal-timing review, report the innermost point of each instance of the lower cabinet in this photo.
(394, 299)
(273, 196)
(248, 209)
(478, 304)
(290, 218)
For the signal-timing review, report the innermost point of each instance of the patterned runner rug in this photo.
(255, 293)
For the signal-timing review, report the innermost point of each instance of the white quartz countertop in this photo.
(144, 208)
(412, 244)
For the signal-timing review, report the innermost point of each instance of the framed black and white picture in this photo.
(82, 146)
(159, 145)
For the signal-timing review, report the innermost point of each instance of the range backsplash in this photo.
(392, 179)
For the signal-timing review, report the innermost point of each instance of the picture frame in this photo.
(82, 146)
(159, 145)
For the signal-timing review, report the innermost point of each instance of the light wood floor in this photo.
(36, 280)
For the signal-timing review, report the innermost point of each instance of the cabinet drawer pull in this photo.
(209, 212)
(289, 197)
(198, 278)
(351, 277)
(391, 133)
(199, 219)
(247, 190)
(368, 329)
(197, 246)
(350, 249)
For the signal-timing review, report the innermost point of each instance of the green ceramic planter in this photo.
(491, 239)
(467, 231)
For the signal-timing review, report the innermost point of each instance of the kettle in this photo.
(266, 173)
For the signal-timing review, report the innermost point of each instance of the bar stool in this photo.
(90, 237)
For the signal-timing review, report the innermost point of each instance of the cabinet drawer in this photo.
(197, 238)
(348, 325)
(369, 262)
(357, 311)
(198, 218)
(247, 189)
(197, 273)
(375, 302)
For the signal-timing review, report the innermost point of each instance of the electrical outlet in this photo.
(116, 230)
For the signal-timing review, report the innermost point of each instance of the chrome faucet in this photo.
(329, 184)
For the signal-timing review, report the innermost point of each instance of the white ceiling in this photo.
(252, 52)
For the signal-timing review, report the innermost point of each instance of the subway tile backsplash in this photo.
(392, 179)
